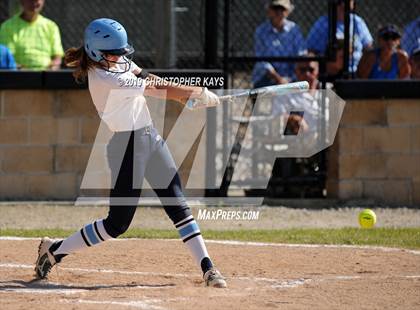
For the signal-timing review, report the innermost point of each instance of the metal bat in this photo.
(262, 91)
(268, 90)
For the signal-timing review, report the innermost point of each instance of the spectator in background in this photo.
(317, 40)
(410, 42)
(387, 61)
(308, 71)
(335, 69)
(277, 37)
(411, 37)
(298, 112)
(33, 39)
(415, 64)
(305, 71)
(6, 58)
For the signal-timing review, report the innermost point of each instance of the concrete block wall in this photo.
(45, 141)
(46, 138)
(377, 152)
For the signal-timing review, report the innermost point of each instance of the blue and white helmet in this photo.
(105, 35)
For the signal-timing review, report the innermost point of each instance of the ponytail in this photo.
(76, 57)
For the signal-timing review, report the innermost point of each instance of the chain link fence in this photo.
(378, 13)
(290, 177)
(184, 20)
(4, 10)
(247, 16)
(144, 21)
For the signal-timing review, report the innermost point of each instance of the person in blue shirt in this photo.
(277, 37)
(388, 61)
(410, 40)
(6, 58)
(415, 64)
(360, 35)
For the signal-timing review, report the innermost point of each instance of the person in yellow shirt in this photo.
(33, 39)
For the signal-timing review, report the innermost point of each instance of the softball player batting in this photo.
(102, 59)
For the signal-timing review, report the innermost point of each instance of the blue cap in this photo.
(390, 30)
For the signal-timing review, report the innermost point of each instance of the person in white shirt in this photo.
(135, 151)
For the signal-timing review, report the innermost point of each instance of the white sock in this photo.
(89, 235)
(191, 236)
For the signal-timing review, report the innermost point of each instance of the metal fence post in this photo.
(211, 61)
(211, 34)
(165, 27)
(346, 53)
(226, 47)
(4, 10)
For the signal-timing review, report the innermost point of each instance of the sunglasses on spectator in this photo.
(390, 36)
(278, 8)
(306, 69)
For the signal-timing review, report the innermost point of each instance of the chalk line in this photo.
(140, 304)
(90, 270)
(257, 244)
(40, 290)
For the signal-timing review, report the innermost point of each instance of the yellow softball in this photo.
(367, 218)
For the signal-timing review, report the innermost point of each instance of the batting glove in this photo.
(205, 100)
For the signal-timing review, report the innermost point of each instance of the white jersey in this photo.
(119, 98)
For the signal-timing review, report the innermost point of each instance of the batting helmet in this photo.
(106, 36)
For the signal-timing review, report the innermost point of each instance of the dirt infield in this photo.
(160, 274)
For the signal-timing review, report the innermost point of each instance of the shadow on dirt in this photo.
(44, 285)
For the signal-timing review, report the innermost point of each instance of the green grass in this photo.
(389, 237)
